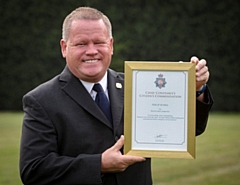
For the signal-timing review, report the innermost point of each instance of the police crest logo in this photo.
(160, 81)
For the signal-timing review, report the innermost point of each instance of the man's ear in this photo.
(111, 42)
(63, 47)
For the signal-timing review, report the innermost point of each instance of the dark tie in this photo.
(102, 101)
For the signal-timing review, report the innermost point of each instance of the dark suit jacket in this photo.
(64, 134)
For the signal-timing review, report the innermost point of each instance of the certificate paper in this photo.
(161, 124)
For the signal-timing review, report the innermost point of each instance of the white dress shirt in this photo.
(89, 86)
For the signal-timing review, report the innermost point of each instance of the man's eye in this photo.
(98, 43)
(80, 44)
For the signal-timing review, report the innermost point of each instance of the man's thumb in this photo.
(119, 144)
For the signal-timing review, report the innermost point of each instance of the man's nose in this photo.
(91, 49)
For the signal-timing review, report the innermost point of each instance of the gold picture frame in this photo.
(160, 109)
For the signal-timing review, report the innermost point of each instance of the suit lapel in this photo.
(74, 88)
(116, 95)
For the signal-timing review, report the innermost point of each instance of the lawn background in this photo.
(217, 161)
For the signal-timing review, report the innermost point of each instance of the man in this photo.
(66, 138)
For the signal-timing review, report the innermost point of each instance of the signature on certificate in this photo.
(161, 136)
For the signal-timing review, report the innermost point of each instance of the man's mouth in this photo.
(90, 61)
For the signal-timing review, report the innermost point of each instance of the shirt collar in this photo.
(89, 85)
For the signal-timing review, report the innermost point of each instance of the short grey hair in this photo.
(84, 13)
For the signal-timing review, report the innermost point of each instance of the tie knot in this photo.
(97, 87)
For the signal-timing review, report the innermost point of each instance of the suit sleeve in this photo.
(40, 161)
(202, 112)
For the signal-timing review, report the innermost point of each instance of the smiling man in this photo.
(88, 52)
(67, 139)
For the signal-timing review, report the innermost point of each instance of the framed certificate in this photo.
(159, 109)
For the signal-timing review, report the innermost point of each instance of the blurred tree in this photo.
(143, 30)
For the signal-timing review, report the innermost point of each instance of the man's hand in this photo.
(202, 73)
(114, 161)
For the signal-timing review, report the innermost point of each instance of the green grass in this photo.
(217, 158)
(10, 132)
(217, 161)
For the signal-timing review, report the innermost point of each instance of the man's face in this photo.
(88, 50)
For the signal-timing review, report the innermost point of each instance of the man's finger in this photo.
(133, 159)
(194, 60)
(202, 62)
